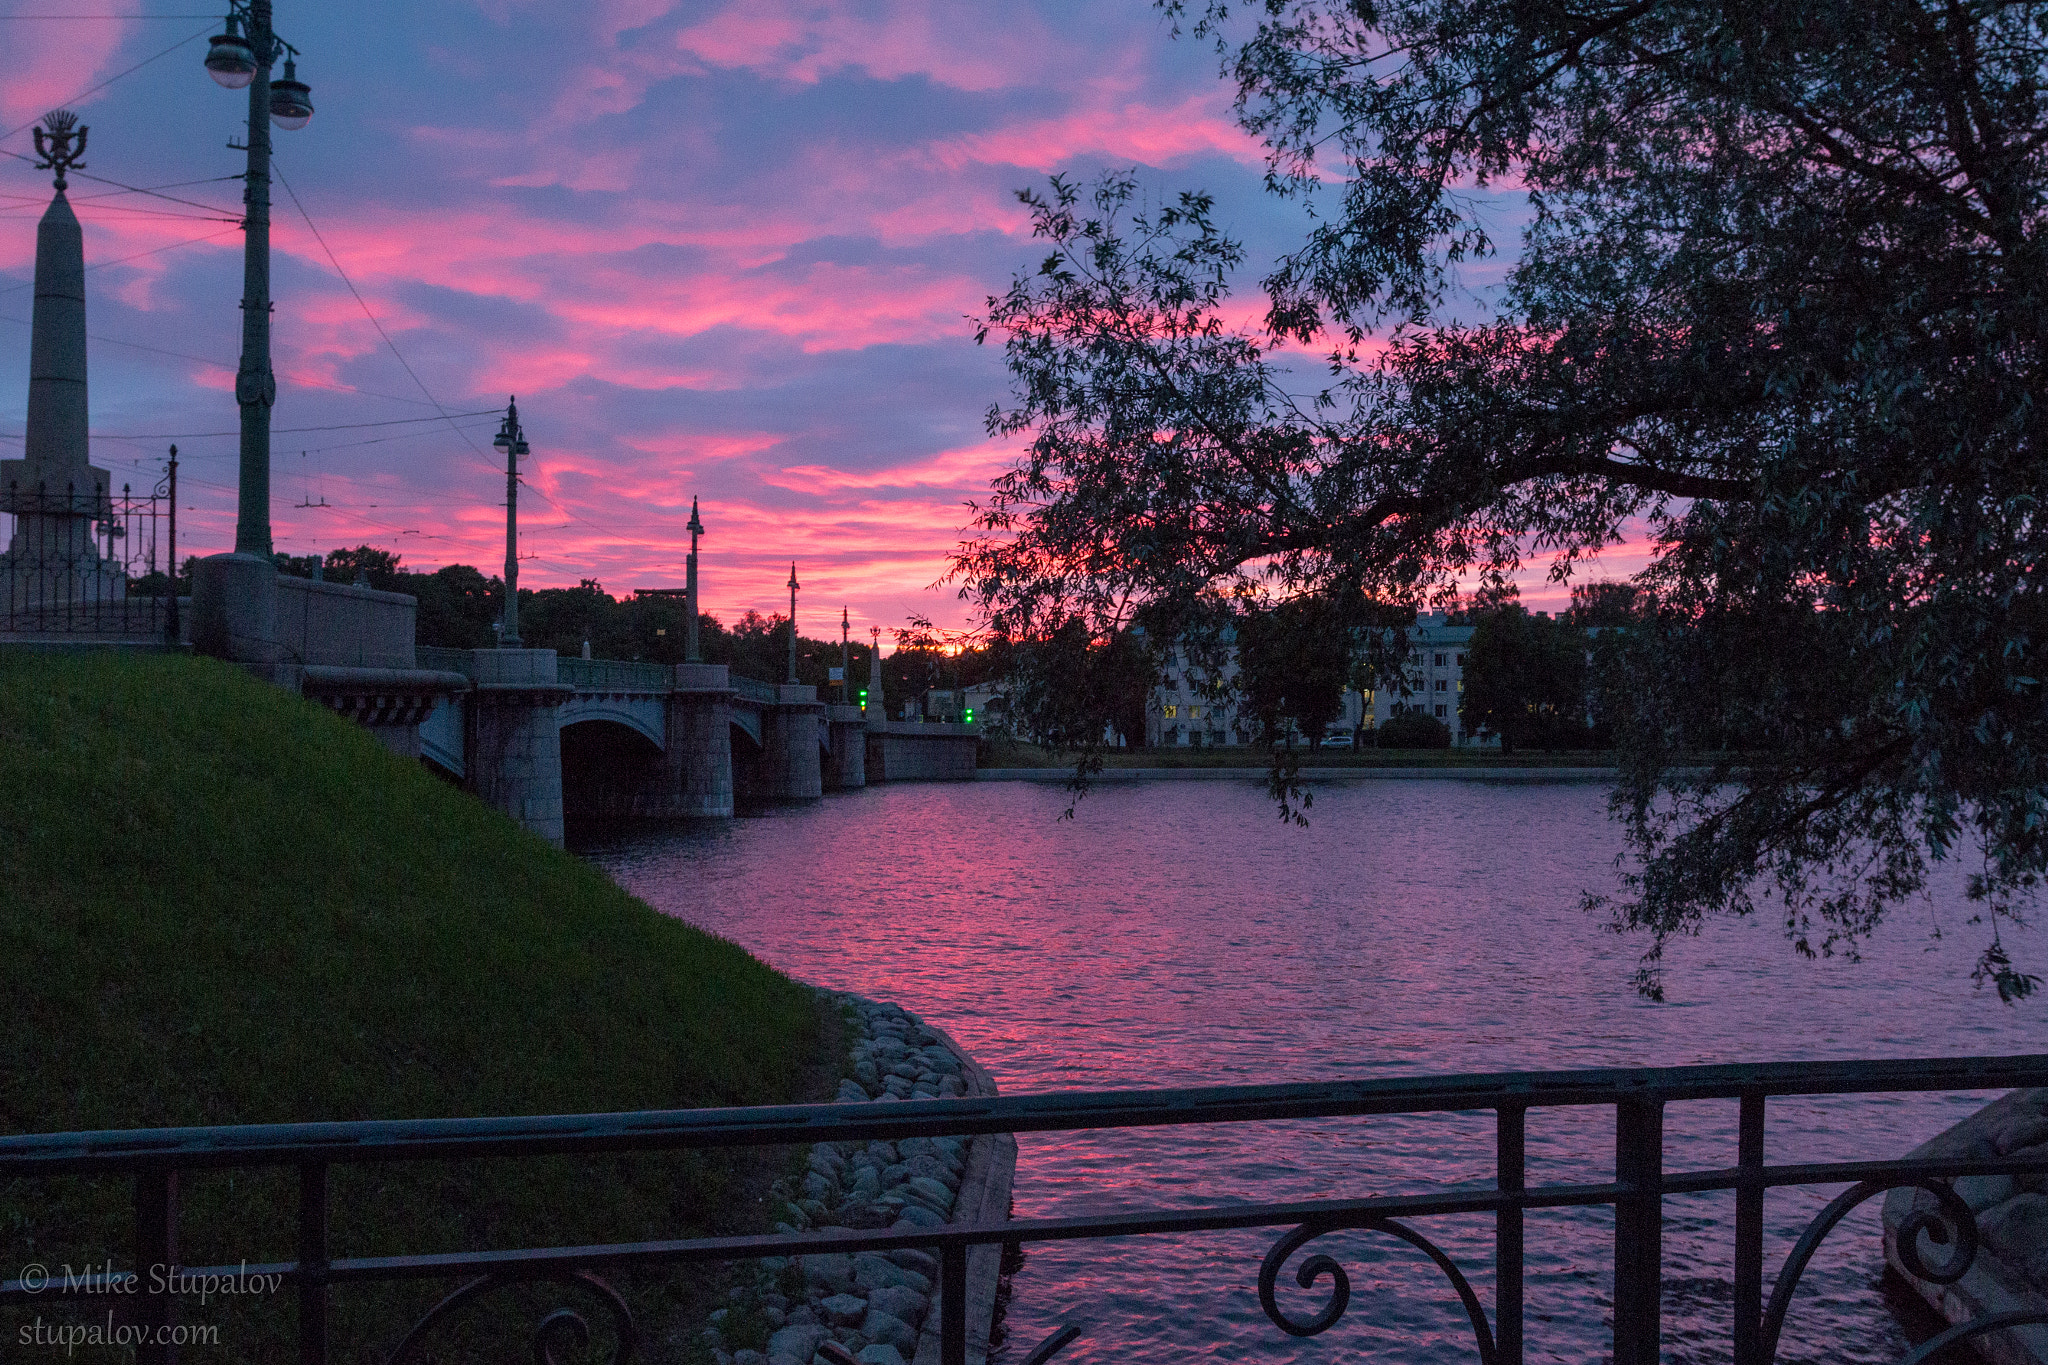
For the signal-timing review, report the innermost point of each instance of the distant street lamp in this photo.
(512, 440)
(691, 653)
(241, 56)
(792, 620)
(845, 657)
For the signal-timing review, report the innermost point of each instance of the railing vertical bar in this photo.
(156, 1250)
(1638, 1231)
(1511, 1174)
(953, 1304)
(1749, 1232)
(313, 1263)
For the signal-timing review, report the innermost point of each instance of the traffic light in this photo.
(863, 699)
(970, 715)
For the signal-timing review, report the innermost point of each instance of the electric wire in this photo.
(122, 260)
(182, 42)
(393, 346)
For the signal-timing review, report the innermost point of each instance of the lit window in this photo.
(1194, 713)
(1172, 711)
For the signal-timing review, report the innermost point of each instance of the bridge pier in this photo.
(846, 759)
(514, 736)
(909, 751)
(791, 766)
(696, 771)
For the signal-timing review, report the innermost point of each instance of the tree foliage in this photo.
(1296, 660)
(1526, 681)
(1778, 307)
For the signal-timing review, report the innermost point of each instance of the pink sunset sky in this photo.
(724, 249)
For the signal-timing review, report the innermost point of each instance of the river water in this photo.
(1178, 934)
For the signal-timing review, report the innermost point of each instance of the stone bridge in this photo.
(592, 742)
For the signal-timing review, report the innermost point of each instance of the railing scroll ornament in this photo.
(562, 1326)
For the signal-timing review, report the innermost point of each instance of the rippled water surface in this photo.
(1178, 934)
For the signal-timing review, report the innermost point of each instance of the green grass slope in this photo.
(222, 904)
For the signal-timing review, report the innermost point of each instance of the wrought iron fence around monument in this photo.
(83, 563)
(1939, 1242)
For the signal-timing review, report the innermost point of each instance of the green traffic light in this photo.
(970, 715)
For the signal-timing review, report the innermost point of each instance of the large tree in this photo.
(1525, 681)
(1778, 308)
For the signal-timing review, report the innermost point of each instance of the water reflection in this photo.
(1179, 934)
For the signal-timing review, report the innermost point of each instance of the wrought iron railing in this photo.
(755, 690)
(82, 562)
(153, 1160)
(615, 675)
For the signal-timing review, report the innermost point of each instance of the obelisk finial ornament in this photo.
(58, 154)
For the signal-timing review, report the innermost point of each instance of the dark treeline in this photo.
(459, 607)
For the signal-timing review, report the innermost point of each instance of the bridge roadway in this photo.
(563, 741)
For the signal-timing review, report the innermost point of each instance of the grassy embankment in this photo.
(1009, 754)
(223, 904)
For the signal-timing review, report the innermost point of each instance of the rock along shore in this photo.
(880, 1308)
(1531, 776)
(2010, 1270)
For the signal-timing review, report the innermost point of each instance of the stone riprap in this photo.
(2010, 1272)
(880, 1307)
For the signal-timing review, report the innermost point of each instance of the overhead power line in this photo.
(182, 42)
(281, 431)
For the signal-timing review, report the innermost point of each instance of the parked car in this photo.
(1340, 740)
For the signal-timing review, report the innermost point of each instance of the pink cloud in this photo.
(49, 62)
(1157, 136)
(806, 40)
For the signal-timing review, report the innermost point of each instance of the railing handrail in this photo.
(1640, 1185)
(109, 1151)
(623, 674)
(753, 688)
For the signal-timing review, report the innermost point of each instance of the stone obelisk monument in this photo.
(55, 494)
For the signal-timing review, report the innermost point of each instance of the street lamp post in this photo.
(234, 596)
(792, 620)
(691, 651)
(845, 658)
(512, 440)
(235, 61)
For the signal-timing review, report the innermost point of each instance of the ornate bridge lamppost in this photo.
(237, 596)
(511, 439)
(692, 652)
(237, 62)
(792, 620)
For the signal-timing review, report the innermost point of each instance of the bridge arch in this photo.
(747, 721)
(610, 763)
(643, 717)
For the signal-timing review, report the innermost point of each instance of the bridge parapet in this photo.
(616, 675)
(754, 690)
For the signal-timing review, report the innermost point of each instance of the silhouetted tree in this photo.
(1779, 307)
